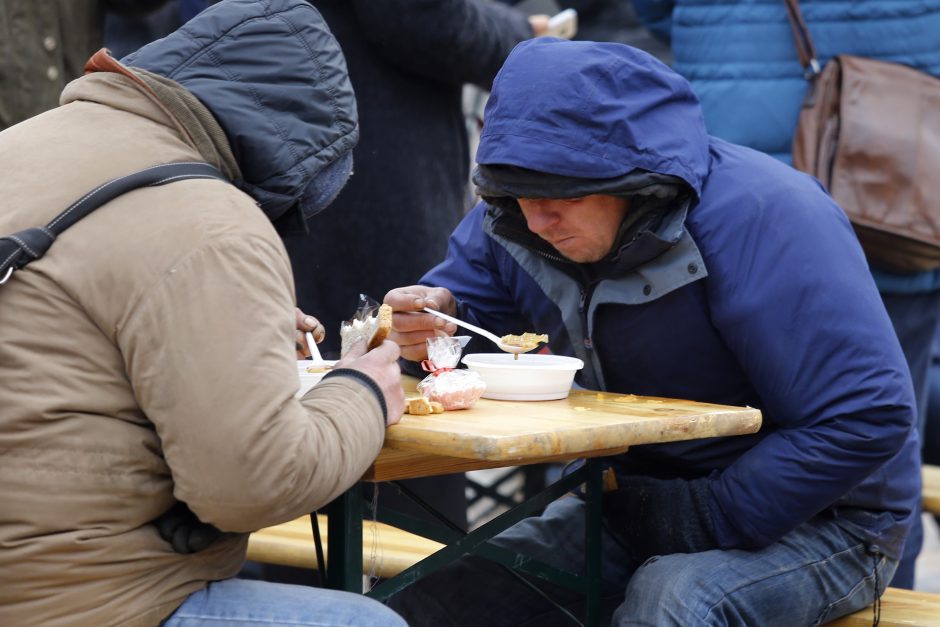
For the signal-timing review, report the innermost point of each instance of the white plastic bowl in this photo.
(309, 379)
(533, 377)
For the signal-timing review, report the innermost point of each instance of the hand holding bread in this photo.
(371, 330)
(381, 365)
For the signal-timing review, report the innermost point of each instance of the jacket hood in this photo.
(275, 79)
(593, 111)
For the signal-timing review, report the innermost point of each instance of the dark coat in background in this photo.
(407, 61)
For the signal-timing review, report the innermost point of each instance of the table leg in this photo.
(459, 543)
(344, 541)
(592, 546)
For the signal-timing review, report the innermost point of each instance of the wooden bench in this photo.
(386, 550)
(898, 607)
(931, 490)
(906, 607)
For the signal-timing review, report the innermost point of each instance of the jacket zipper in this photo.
(586, 291)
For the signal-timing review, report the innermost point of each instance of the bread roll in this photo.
(372, 330)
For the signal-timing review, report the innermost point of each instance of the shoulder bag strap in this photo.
(804, 42)
(28, 245)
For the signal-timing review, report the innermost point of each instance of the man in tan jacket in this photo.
(147, 359)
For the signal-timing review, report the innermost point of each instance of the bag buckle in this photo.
(7, 276)
(812, 69)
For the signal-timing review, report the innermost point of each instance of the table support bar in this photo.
(476, 542)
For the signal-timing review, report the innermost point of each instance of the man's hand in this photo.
(381, 365)
(660, 516)
(307, 323)
(411, 328)
(539, 24)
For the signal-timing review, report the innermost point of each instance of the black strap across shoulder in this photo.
(30, 244)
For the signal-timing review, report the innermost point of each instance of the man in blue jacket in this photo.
(676, 264)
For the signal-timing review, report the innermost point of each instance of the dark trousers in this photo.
(915, 318)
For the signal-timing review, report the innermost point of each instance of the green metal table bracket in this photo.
(344, 541)
(594, 486)
(474, 542)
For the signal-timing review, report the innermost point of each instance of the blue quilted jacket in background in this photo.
(741, 60)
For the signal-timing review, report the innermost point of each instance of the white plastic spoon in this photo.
(509, 348)
(314, 350)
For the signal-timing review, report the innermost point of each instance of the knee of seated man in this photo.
(673, 590)
(377, 614)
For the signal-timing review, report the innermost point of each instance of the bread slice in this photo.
(383, 325)
(372, 330)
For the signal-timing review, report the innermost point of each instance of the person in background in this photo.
(604, 20)
(931, 446)
(675, 264)
(148, 418)
(407, 63)
(44, 44)
(125, 33)
(741, 60)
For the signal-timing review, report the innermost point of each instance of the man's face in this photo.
(581, 229)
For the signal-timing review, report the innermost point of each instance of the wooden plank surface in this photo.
(931, 476)
(394, 464)
(898, 607)
(386, 550)
(585, 422)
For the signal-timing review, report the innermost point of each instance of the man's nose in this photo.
(541, 214)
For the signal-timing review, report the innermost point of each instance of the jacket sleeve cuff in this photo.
(368, 381)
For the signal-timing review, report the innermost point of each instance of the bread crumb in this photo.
(418, 406)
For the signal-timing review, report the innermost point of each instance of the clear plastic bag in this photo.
(370, 324)
(451, 387)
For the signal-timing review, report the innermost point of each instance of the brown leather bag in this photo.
(870, 132)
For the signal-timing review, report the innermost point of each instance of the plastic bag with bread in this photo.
(371, 324)
(447, 385)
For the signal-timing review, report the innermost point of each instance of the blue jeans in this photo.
(244, 602)
(815, 574)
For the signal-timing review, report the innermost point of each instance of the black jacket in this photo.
(407, 60)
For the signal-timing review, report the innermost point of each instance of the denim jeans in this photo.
(815, 574)
(244, 602)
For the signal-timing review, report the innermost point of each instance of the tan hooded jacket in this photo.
(147, 358)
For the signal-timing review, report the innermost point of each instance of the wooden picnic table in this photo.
(491, 434)
(510, 433)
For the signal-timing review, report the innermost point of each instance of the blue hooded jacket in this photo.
(763, 298)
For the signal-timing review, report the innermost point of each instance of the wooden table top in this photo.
(511, 433)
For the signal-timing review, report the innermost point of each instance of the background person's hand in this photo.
(539, 24)
(381, 365)
(307, 323)
(411, 328)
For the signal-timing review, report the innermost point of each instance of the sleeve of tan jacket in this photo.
(210, 353)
